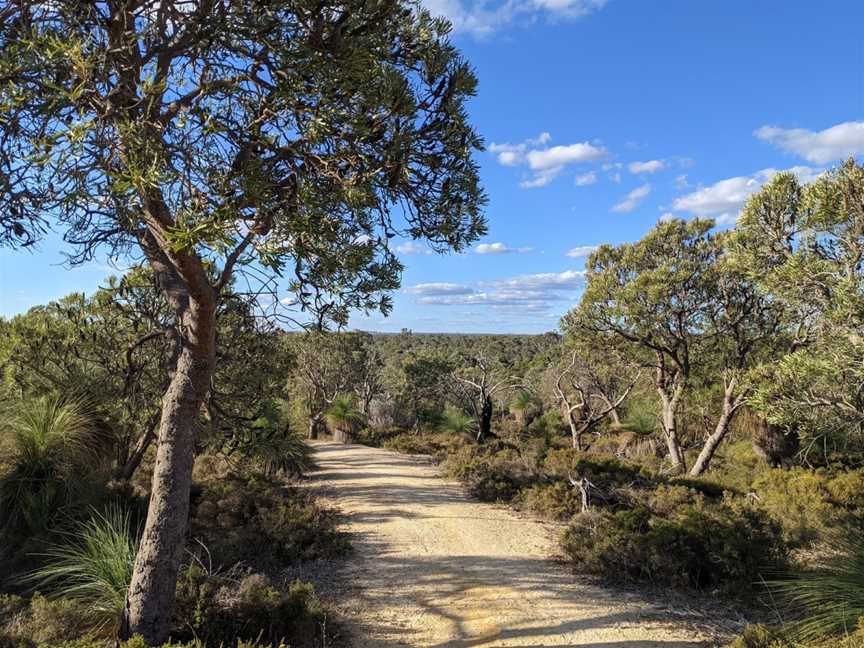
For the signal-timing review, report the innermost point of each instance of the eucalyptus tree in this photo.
(326, 366)
(804, 246)
(588, 391)
(285, 137)
(482, 379)
(656, 295)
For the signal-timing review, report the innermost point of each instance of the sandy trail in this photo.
(434, 568)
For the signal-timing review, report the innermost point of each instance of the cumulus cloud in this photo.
(648, 166)
(632, 200)
(545, 162)
(585, 179)
(439, 288)
(482, 18)
(818, 147)
(724, 200)
(499, 248)
(526, 293)
(412, 248)
(580, 251)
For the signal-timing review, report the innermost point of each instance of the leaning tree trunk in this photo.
(154, 578)
(730, 406)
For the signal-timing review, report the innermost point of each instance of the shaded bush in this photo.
(260, 521)
(221, 609)
(680, 540)
(40, 621)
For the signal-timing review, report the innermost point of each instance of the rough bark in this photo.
(185, 283)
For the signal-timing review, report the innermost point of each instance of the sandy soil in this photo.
(434, 568)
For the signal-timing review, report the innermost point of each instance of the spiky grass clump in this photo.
(455, 421)
(94, 565)
(283, 451)
(829, 599)
(49, 442)
(343, 415)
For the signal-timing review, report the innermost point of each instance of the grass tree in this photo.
(293, 138)
(344, 418)
(50, 444)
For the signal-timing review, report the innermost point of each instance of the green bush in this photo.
(40, 621)
(806, 502)
(491, 472)
(220, 609)
(680, 540)
(556, 500)
(259, 521)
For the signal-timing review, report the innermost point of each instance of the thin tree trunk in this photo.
(670, 430)
(485, 421)
(314, 423)
(613, 411)
(134, 461)
(730, 406)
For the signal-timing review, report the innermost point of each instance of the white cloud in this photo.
(631, 200)
(819, 147)
(412, 248)
(558, 156)
(499, 248)
(537, 293)
(580, 251)
(439, 288)
(545, 162)
(681, 181)
(649, 166)
(482, 18)
(724, 200)
(585, 179)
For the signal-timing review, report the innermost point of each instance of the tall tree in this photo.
(656, 295)
(804, 245)
(212, 135)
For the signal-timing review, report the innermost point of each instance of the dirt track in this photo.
(433, 568)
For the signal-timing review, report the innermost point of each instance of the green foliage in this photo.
(454, 421)
(828, 599)
(50, 447)
(343, 415)
(228, 608)
(41, 621)
(93, 568)
(680, 540)
(259, 521)
(491, 473)
(807, 503)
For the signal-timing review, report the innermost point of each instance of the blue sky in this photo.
(600, 118)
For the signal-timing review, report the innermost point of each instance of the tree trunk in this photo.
(154, 579)
(485, 429)
(314, 424)
(131, 464)
(670, 431)
(613, 411)
(730, 406)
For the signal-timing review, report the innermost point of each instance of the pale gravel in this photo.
(433, 568)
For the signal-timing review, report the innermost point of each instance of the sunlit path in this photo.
(437, 569)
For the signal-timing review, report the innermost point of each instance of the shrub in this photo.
(806, 502)
(41, 621)
(681, 540)
(557, 500)
(260, 521)
(222, 609)
(94, 567)
(491, 472)
(759, 636)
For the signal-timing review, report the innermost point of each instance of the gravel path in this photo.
(434, 568)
